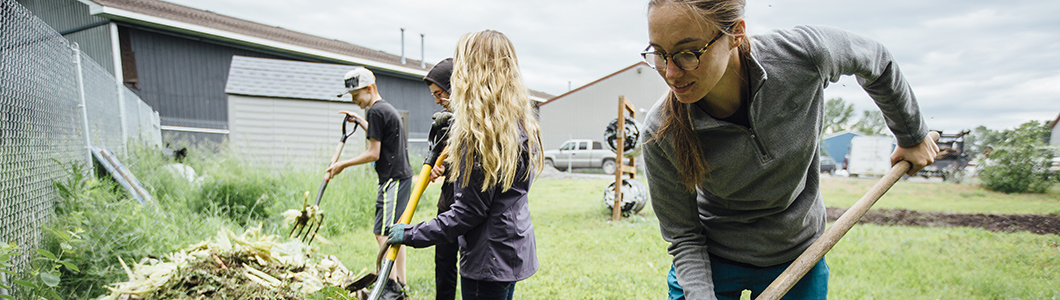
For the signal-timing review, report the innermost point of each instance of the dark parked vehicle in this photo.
(827, 165)
(952, 158)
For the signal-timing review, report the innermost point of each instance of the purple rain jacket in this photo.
(493, 227)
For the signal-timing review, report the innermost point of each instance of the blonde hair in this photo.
(722, 15)
(492, 108)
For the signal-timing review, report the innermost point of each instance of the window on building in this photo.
(128, 59)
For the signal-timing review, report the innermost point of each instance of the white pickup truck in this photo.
(583, 154)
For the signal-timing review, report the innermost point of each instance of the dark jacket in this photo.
(445, 199)
(493, 227)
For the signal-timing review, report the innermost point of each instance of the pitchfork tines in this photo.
(307, 222)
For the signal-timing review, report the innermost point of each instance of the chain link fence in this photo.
(55, 102)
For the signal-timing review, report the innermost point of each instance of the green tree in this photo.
(982, 138)
(837, 115)
(872, 123)
(1019, 161)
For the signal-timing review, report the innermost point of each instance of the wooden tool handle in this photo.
(816, 251)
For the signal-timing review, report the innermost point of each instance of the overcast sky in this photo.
(970, 62)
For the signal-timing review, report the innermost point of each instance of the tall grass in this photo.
(96, 221)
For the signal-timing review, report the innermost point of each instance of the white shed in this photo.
(1054, 137)
(585, 112)
(285, 113)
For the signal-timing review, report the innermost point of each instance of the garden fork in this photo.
(311, 217)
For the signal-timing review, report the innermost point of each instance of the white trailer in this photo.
(870, 155)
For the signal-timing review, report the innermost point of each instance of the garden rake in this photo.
(831, 236)
(311, 217)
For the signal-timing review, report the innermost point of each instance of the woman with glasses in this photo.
(732, 150)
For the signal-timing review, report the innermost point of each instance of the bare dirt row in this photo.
(1039, 224)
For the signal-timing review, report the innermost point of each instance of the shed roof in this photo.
(277, 78)
(179, 18)
(842, 133)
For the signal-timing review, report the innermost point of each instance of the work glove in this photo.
(438, 136)
(396, 235)
(439, 133)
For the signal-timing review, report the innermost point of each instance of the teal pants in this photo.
(730, 279)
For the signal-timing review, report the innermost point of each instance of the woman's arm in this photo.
(839, 52)
(678, 214)
(470, 208)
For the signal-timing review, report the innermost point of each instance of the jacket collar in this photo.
(700, 120)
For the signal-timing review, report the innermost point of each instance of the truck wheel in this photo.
(550, 164)
(609, 166)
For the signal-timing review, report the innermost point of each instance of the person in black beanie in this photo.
(445, 254)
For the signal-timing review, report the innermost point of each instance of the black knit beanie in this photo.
(440, 73)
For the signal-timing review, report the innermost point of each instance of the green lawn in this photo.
(585, 256)
(940, 197)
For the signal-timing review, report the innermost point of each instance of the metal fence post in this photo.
(119, 80)
(84, 107)
(3, 279)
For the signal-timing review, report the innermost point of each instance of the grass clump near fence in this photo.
(96, 221)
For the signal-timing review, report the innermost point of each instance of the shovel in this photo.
(816, 251)
(310, 219)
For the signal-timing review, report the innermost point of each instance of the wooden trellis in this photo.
(624, 107)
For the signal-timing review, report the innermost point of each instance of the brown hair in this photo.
(676, 124)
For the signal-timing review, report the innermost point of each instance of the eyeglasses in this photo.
(686, 60)
(438, 94)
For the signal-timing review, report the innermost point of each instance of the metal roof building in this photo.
(584, 113)
(285, 112)
(178, 59)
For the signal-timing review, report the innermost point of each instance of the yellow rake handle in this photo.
(414, 199)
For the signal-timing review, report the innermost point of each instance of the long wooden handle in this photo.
(334, 159)
(816, 251)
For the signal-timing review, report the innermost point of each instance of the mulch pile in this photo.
(1039, 224)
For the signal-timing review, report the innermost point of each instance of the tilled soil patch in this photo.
(1039, 224)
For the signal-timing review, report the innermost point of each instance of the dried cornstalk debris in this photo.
(252, 265)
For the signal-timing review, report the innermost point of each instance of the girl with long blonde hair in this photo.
(494, 152)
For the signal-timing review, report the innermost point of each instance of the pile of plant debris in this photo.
(229, 266)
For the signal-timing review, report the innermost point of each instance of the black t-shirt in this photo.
(384, 125)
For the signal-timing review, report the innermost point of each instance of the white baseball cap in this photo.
(356, 79)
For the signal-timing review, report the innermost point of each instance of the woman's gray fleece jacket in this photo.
(760, 202)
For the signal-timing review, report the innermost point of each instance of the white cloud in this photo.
(983, 18)
(971, 62)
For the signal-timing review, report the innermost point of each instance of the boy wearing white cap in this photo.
(387, 149)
